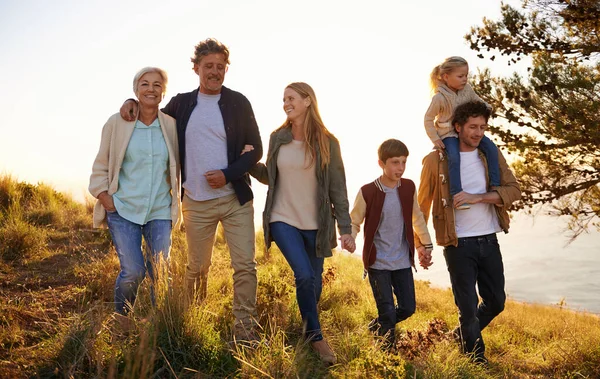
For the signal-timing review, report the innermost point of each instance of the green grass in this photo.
(56, 288)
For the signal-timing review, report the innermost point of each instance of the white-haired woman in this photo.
(135, 178)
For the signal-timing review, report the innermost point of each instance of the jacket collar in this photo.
(379, 185)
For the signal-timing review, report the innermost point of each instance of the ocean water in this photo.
(539, 266)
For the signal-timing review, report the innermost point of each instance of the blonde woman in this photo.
(306, 196)
(135, 178)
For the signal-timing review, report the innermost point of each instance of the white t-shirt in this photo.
(481, 218)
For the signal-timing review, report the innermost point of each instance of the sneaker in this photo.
(374, 325)
(324, 350)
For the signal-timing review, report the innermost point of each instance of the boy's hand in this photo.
(424, 257)
(348, 242)
(439, 145)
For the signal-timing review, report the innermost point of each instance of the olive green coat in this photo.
(332, 197)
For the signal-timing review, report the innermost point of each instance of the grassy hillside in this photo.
(56, 288)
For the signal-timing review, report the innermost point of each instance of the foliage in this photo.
(552, 117)
(56, 321)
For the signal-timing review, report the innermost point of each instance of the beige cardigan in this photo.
(116, 134)
(438, 117)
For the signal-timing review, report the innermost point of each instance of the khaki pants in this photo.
(201, 219)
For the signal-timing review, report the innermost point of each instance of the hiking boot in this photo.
(324, 351)
(123, 322)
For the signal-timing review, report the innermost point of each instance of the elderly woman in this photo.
(306, 195)
(135, 178)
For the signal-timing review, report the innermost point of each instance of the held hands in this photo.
(424, 257)
(215, 178)
(107, 202)
(129, 109)
(348, 242)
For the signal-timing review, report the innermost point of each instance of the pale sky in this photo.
(67, 65)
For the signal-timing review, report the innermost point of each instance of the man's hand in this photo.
(107, 201)
(439, 145)
(247, 149)
(465, 198)
(424, 257)
(215, 178)
(129, 110)
(348, 242)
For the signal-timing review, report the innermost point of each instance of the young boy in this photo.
(389, 208)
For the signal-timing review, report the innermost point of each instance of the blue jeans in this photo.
(486, 146)
(127, 239)
(385, 284)
(476, 261)
(299, 247)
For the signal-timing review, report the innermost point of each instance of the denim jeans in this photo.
(453, 153)
(476, 261)
(385, 284)
(299, 247)
(127, 239)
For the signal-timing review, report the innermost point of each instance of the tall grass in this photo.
(68, 330)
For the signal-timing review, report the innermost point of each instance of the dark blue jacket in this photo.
(240, 127)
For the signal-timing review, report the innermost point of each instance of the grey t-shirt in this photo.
(390, 240)
(205, 149)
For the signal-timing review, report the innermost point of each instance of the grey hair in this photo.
(145, 70)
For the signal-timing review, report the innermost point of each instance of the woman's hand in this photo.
(348, 242)
(107, 201)
(439, 145)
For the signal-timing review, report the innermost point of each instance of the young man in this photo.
(388, 206)
(468, 236)
(214, 124)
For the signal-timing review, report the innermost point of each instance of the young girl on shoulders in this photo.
(451, 89)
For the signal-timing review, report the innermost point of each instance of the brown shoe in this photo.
(124, 323)
(324, 350)
(246, 335)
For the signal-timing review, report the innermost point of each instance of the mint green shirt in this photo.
(144, 193)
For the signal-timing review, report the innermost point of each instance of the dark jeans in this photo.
(385, 284)
(299, 247)
(135, 263)
(486, 146)
(476, 261)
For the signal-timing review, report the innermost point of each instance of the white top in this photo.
(205, 149)
(481, 218)
(295, 200)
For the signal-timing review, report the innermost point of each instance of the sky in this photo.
(68, 65)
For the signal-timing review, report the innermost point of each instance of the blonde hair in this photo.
(145, 70)
(316, 134)
(445, 67)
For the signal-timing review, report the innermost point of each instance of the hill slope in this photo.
(56, 288)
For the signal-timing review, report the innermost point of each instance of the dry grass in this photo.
(55, 316)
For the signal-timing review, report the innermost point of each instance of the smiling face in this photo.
(471, 133)
(457, 78)
(211, 69)
(150, 89)
(393, 169)
(294, 105)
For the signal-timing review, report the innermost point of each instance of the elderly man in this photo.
(214, 124)
(468, 236)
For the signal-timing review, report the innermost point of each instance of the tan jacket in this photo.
(434, 188)
(116, 134)
(438, 118)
